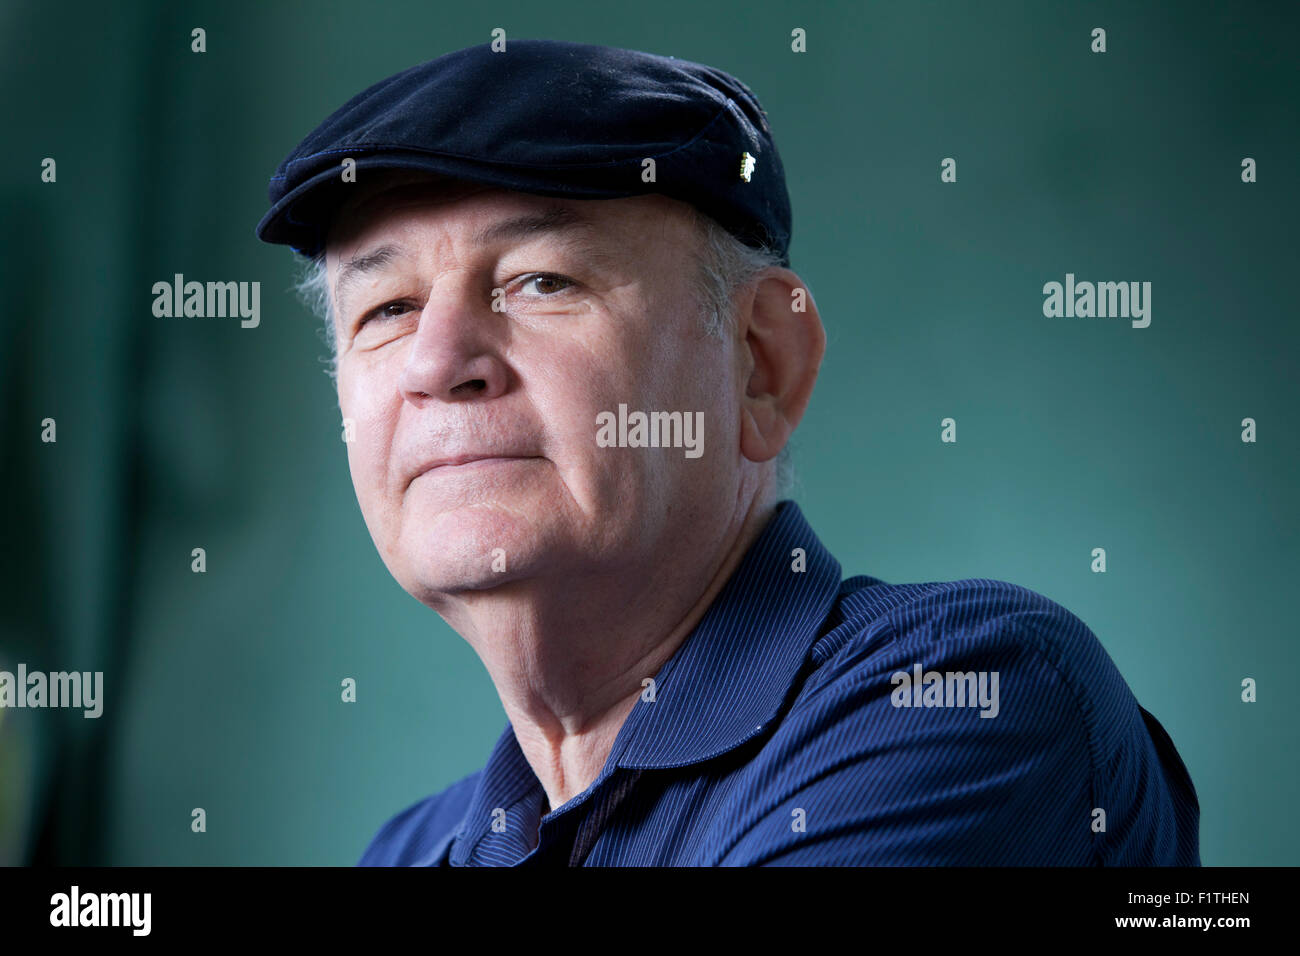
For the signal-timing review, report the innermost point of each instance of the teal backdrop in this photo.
(222, 689)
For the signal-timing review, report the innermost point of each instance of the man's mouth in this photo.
(462, 464)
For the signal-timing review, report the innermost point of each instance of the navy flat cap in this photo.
(553, 118)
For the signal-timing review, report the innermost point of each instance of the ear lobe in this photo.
(786, 343)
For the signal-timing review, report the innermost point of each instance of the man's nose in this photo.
(455, 354)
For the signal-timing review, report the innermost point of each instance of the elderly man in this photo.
(570, 354)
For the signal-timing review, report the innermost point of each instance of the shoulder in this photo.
(971, 722)
(412, 834)
(946, 610)
(975, 666)
(975, 619)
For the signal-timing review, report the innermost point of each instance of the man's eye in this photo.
(543, 283)
(391, 310)
(547, 283)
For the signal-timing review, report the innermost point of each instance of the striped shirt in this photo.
(812, 721)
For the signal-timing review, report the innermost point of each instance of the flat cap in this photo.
(554, 118)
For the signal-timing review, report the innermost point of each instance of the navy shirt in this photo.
(807, 720)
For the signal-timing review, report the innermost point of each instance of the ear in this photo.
(782, 345)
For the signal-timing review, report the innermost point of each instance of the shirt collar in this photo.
(732, 675)
(726, 682)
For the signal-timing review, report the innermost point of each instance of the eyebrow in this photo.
(351, 271)
(558, 220)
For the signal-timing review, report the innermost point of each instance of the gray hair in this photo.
(725, 267)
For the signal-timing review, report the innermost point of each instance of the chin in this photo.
(471, 547)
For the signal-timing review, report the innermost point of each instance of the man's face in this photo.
(595, 308)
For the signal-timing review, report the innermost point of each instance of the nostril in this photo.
(473, 385)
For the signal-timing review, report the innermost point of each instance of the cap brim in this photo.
(303, 216)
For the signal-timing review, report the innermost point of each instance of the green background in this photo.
(222, 689)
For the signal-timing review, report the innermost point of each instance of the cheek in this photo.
(694, 376)
(569, 403)
(656, 372)
(369, 417)
(691, 373)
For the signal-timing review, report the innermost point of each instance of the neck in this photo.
(568, 656)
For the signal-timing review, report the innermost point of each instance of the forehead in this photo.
(401, 203)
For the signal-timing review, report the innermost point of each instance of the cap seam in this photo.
(725, 108)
